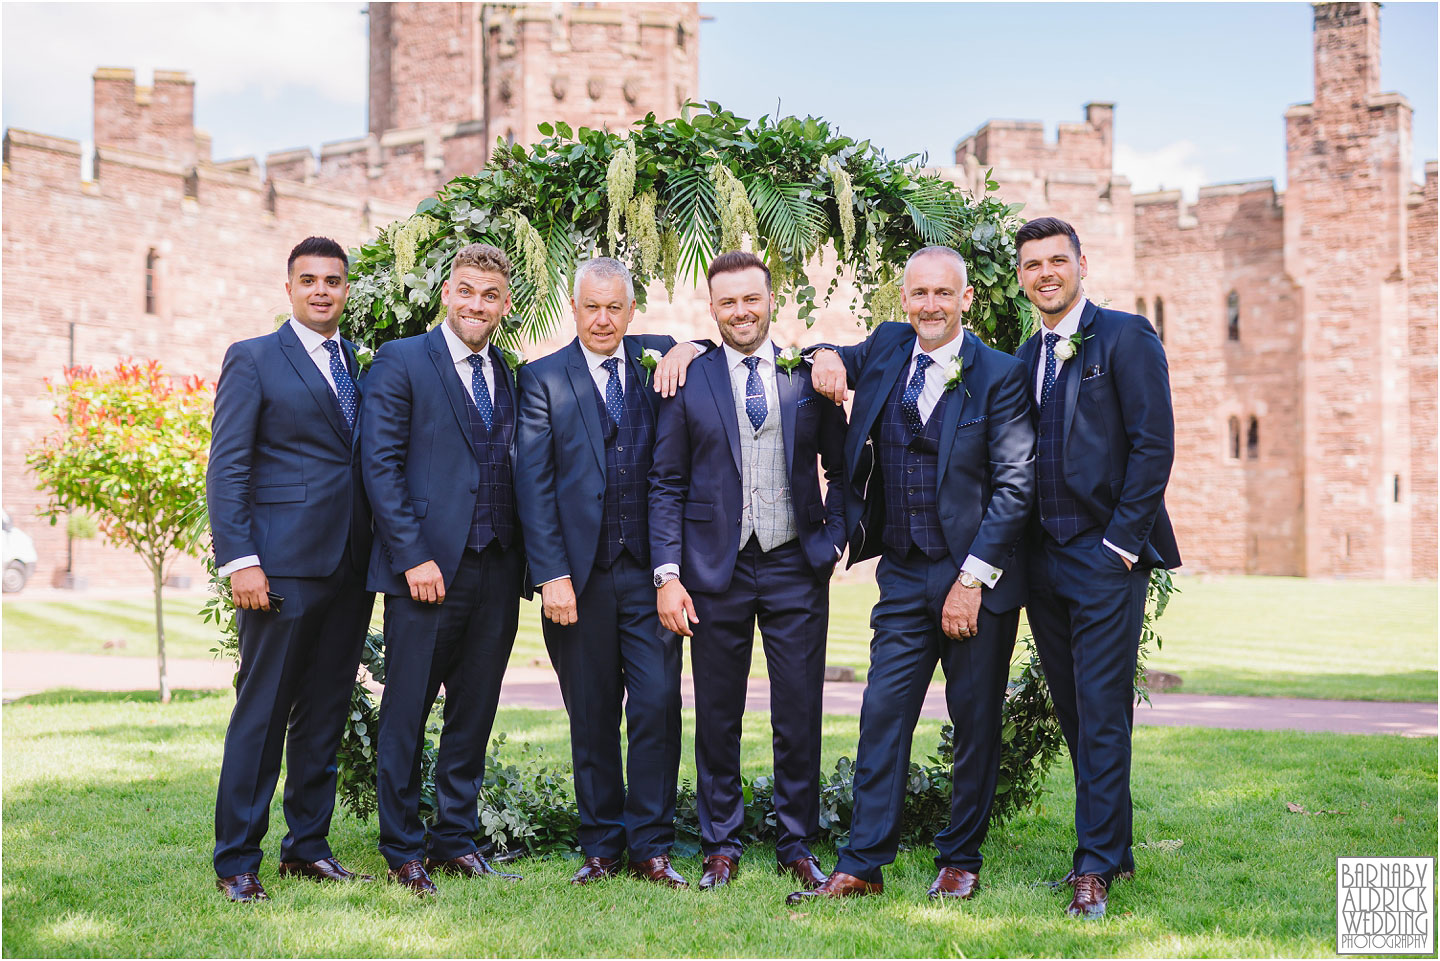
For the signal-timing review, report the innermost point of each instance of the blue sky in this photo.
(1200, 89)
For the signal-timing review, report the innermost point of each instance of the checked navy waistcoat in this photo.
(1061, 515)
(623, 522)
(910, 465)
(494, 517)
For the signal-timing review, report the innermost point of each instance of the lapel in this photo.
(310, 375)
(787, 389)
(1072, 385)
(956, 406)
(584, 386)
(717, 375)
(890, 369)
(636, 376)
(450, 382)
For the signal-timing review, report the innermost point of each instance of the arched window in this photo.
(509, 138)
(1232, 316)
(1252, 440)
(1140, 307)
(152, 260)
(680, 35)
(1234, 438)
(1160, 318)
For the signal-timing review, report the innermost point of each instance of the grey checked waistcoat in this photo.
(766, 509)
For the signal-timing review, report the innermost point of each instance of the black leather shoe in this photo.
(242, 887)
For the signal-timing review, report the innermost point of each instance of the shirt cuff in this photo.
(987, 576)
(552, 580)
(700, 346)
(839, 552)
(1132, 558)
(665, 569)
(239, 564)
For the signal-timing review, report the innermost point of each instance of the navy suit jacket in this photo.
(283, 481)
(560, 468)
(420, 469)
(986, 478)
(695, 494)
(1119, 440)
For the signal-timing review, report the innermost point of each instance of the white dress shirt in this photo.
(460, 354)
(314, 345)
(599, 374)
(740, 374)
(1067, 327)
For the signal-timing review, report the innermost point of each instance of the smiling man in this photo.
(291, 530)
(1106, 441)
(739, 531)
(437, 449)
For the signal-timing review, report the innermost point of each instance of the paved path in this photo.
(28, 672)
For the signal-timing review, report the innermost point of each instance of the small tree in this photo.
(131, 450)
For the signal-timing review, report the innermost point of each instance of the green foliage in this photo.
(669, 195)
(130, 450)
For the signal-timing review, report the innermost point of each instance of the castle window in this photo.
(1232, 316)
(509, 138)
(1397, 488)
(152, 259)
(1160, 318)
(680, 35)
(1234, 438)
(1252, 440)
(1140, 307)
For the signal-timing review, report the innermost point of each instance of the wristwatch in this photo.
(968, 580)
(662, 579)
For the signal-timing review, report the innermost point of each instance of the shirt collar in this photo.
(309, 339)
(944, 354)
(766, 353)
(594, 360)
(1070, 322)
(459, 353)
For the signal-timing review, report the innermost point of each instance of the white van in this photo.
(19, 556)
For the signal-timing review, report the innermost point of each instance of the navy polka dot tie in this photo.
(344, 385)
(910, 400)
(1051, 339)
(614, 396)
(481, 389)
(755, 405)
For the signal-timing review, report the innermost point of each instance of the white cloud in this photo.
(1175, 166)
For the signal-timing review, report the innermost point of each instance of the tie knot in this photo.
(751, 362)
(1051, 338)
(611, 364)
(923, 361)
(332, 347)
(477, 361)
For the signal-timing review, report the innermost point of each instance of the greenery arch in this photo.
(664, 198)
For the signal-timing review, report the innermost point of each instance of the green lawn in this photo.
(1281, 636)
(108, 819)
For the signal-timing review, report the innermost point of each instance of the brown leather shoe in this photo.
(1069, 879)
(954, 883)
(1090, 897)
(837, 885)
(719, 868)
(326, 869)
(412, 875)
(806, 870)
(242, 887)
(596, 869)
(658, 869)
(470, 865)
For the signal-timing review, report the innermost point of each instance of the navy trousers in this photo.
(908, 642)
(616, 650)
(297, 670)
(463, 644)
(1086, 610)
(781, 590)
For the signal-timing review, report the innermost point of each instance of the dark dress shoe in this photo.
(806, 870)
(596, 869)
(326, 869)
(242, 887)
(1069, 879)
(718, 870)
(1090, 897)
(412, 875)
(471, 865)
(837, 885)
(658, 869)
(955, 883)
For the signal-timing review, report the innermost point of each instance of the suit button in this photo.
(911, 492)
(620, 450)
(912, 513)
(622, 540)
(909, 470)
(622, 470)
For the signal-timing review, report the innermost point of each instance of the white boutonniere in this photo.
(954, 372)
(788, 360)
(649, 359)
(513, 359)
(1067, 349)
(363, 356)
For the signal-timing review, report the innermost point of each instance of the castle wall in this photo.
(1422, 346)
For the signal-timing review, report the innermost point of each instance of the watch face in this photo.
(659, 580)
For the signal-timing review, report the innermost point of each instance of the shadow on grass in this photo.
(69, 695)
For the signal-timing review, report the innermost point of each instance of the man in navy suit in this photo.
(739, 531)
(940, 460)
(1106, 441)
(587, 426)
(437, 449)
(291, 530)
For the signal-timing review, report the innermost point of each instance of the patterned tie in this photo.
(1051, 339)
(755, 404)
(910, 400)
(481, 389)
(344, 385)
(614, 396)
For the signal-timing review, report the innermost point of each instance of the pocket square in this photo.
(971, 423)
(1092, 371)
(805, 400)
